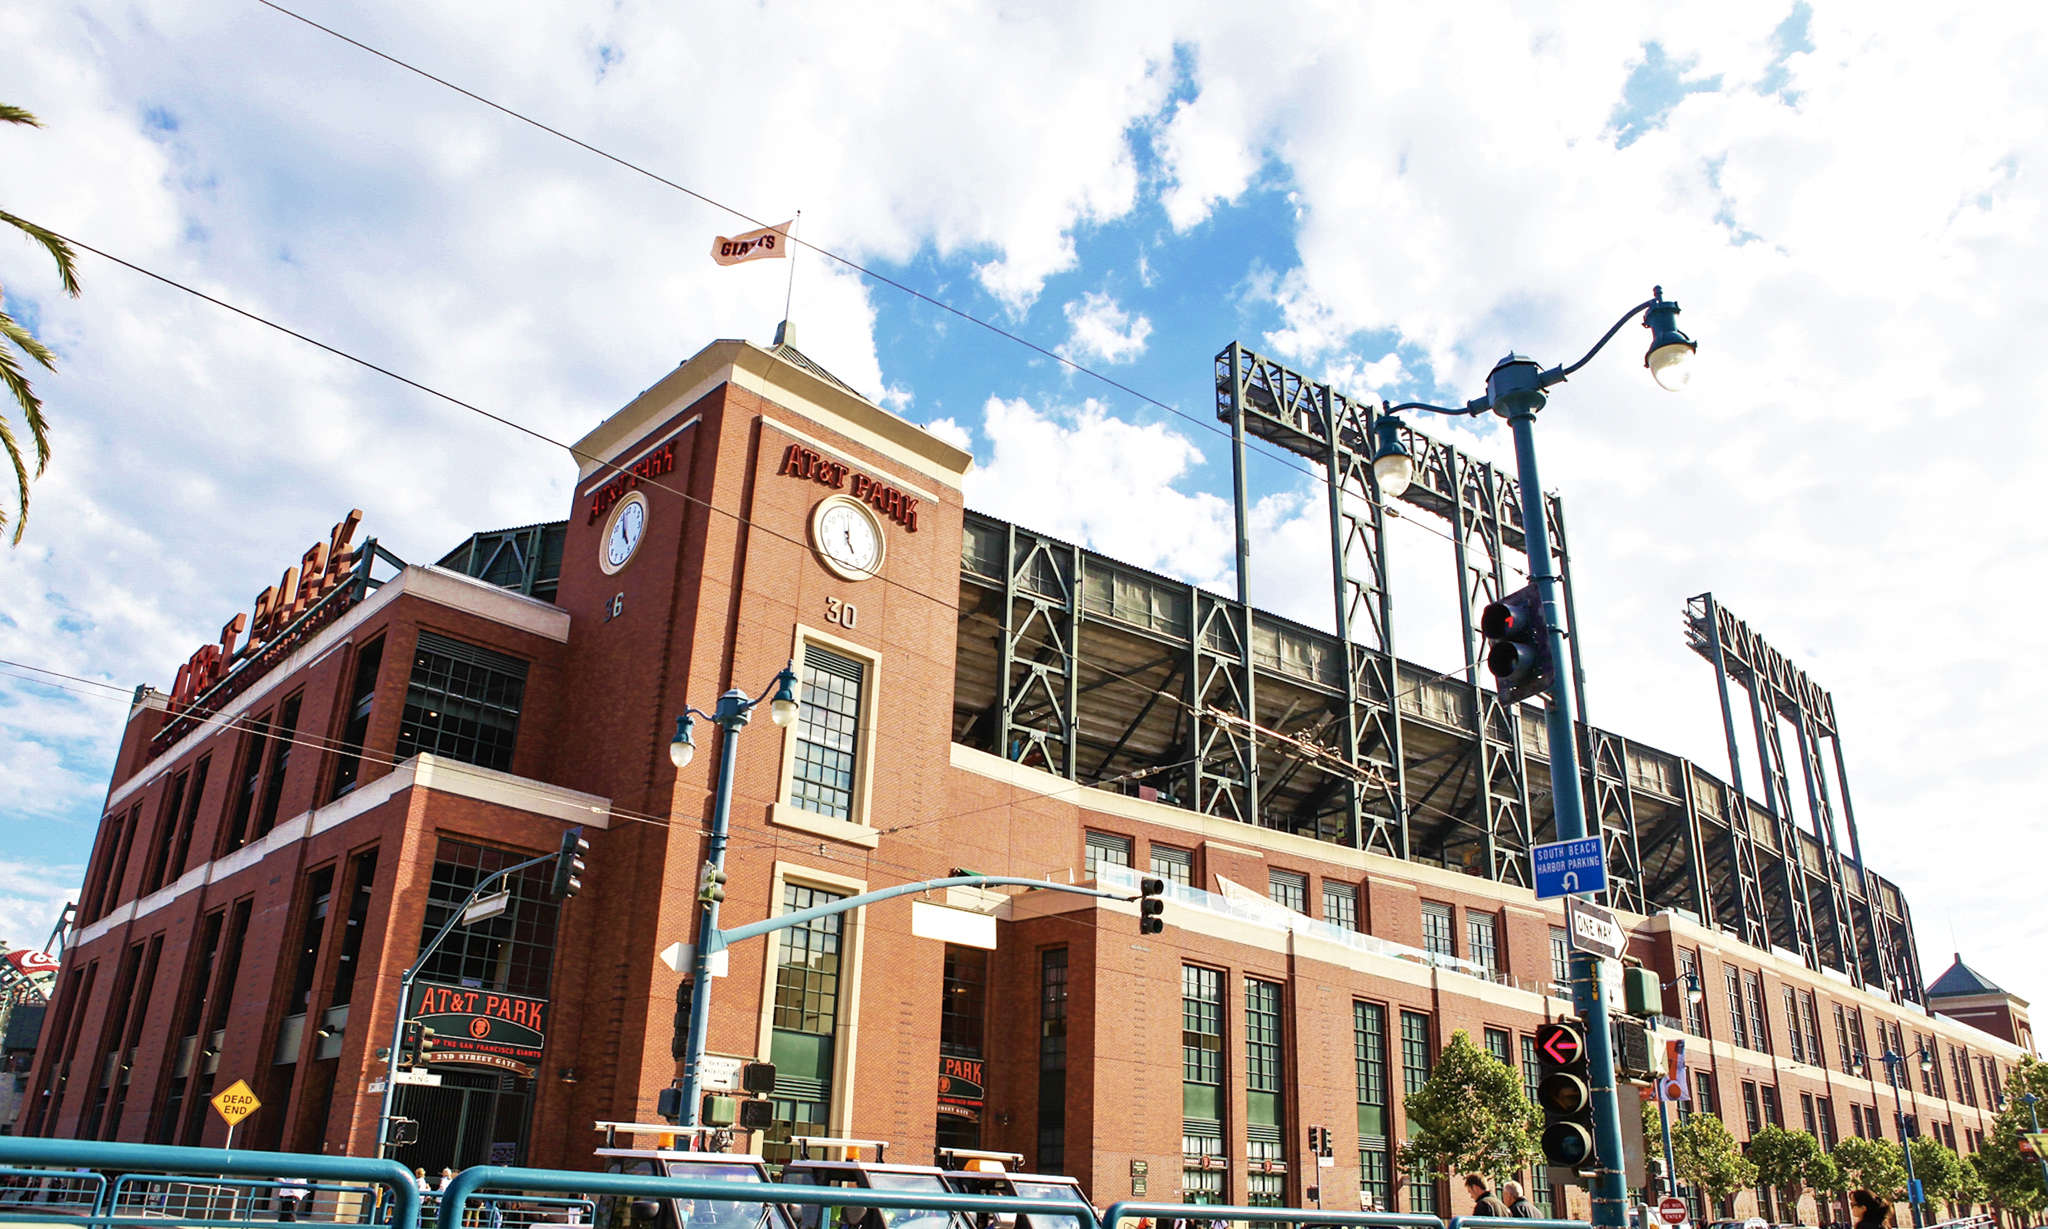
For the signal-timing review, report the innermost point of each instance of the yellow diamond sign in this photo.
(236, 1102)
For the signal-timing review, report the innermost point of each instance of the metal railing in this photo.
(1158, 1212)
(238, 1189)
(1513, 1222)
(460, 1199)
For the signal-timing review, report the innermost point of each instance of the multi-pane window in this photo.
(828, 733)
(1052, 1060)
(1752, 1113)
(1796, 1039)
(1539, 1175)
(1340, 904)
(1174, 865)
(1106, 848)
(1288, 889)
(1759, 1020)
(1738, 1027)
(462, 703)
(282, 737)
(805, 1022)
(1415, 1055)
(1856, 1121)
(1703, 1093)
(1773, 1112)
(1497, 1043)
(1201, 1062)
(1845, 1053)
(1560, 958)
(1826, 1133)
(1689, 993)
(248, 783)
(1807, 1115)
(1809, 1019)
(1481, 946)
(1369, 1057)
(514, 951)
(1436, 929)
(355, 727)
(1264, 1095)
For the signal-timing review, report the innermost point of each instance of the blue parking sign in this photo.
(1569, 868)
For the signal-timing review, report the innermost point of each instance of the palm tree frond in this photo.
(54, 244)
(32, 410)
(13, 451)
(18, 115)
(20, 336)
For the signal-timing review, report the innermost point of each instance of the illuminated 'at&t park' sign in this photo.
(321, 570)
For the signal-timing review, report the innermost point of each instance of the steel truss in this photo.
(1809, 899)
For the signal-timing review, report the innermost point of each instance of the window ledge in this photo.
(782, 814)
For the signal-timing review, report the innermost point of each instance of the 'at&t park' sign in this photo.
(321, 570)
(800, 462)
(482, 1028)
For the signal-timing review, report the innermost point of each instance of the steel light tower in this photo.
(1515, 391)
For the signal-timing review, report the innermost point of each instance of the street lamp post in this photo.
(730, 715)
(1515, 391)
(1892, 1062)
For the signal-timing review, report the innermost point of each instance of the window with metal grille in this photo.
(1436, 929)
(1738, 1028)
(1052, 1060)
(805, 1023)
(1340, 904)
(1415, 1055)
(1106, 847)
(1806, 1113)
(1369, 1059)
(514, 951)
(462, 702)
(828, 733)
(1695, 1003)
(1288, 889)
(1480, 945)
(1174, 865)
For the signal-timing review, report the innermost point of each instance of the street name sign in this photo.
(1593, 929)
(416, 1075)
(236, 1102)
(1671, 1210)
(1565, 868)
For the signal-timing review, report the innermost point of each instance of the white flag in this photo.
(767, 243)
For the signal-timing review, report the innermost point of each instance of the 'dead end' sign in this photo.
(482, 1028)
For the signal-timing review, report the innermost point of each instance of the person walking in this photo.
(1518, 1203)
(1484, 1201)
(1871, 1212)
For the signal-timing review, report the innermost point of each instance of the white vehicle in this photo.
(834, 1161)
(973, 1172)
(682, 1152)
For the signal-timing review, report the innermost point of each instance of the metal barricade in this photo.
(34, 1194)
(1514, 1222)
(1129, 1210)
(524, 1211)
(239, 1189)
(460, 1199)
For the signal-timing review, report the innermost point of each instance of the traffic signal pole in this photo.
(1520, 402)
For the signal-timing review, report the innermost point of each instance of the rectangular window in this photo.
(1201, 1060)
(1369, 1061)
(1340, 904)
(1809, 1018)
(1265, 1094)
(160, 844)
(805, 1022)
(1752, 1113)
(213, 1036)
(1052, 1060)
(355, 724)
(313, 928)
(1415, 1052)
(281, 738)
(1498, 1043)
(1846, 1053)
(1261, 1039)
(1288, 889)
(1692, 992)
(1826, 1134)
(462, 702)
(1105, 847)
(1759, 1020)
(1703, 1093)
(514, 951)
(1481, 948)
(1807, 1114)
(1738, 1027)
(1794, 1038)
(828, 733)
(181, 844)
(1856, 1120)
(1174, 865)
(363, 875)
(1773, 1112)
(1560, 959)
(248, 784)
(1436, 929)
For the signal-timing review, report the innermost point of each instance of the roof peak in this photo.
(1960, 979)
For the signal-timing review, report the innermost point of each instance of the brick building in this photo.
(317, 792)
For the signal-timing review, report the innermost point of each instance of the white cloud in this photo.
(1100, 329)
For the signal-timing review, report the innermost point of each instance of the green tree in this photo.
(1707, 1159)
(1470, 1116)
(10, 367)
(2012, 1180)
(1941, 1172)
(1875, 1165)
(1786, 1161)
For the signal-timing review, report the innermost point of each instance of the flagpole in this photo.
(790, 293)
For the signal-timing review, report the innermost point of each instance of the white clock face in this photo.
(622, 536)
(848, 539)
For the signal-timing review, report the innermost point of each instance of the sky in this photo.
(1847, 200)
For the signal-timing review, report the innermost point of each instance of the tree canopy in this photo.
(1789, 1161)
(2012, 1180)
(1875, 1165)
(1706, 1157)
(1470, 1116)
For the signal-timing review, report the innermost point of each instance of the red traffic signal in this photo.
(1519, 655)
(1564, 1093)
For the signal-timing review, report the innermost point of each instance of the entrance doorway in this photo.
(473, 1118)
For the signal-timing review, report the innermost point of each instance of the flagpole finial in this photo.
(785, 334)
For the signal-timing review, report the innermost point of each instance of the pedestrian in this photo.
(1871, 1212)
(291, 1194)
(1484, 1201)
(447, 1176)
(1518, 1203)
(419, 1179)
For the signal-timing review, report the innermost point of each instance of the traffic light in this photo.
(711, 884)
(409, 1043)
(1319, 1141)
(679, 1040)
(430, 1045)
(1150, 906)
(1565, 1093)
(569, 864)
(720, 1110)
(1519, 655)
(756, 1115)
(1631, 1050)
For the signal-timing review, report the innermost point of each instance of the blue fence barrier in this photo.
(459, 1197)
(1156, 1212)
